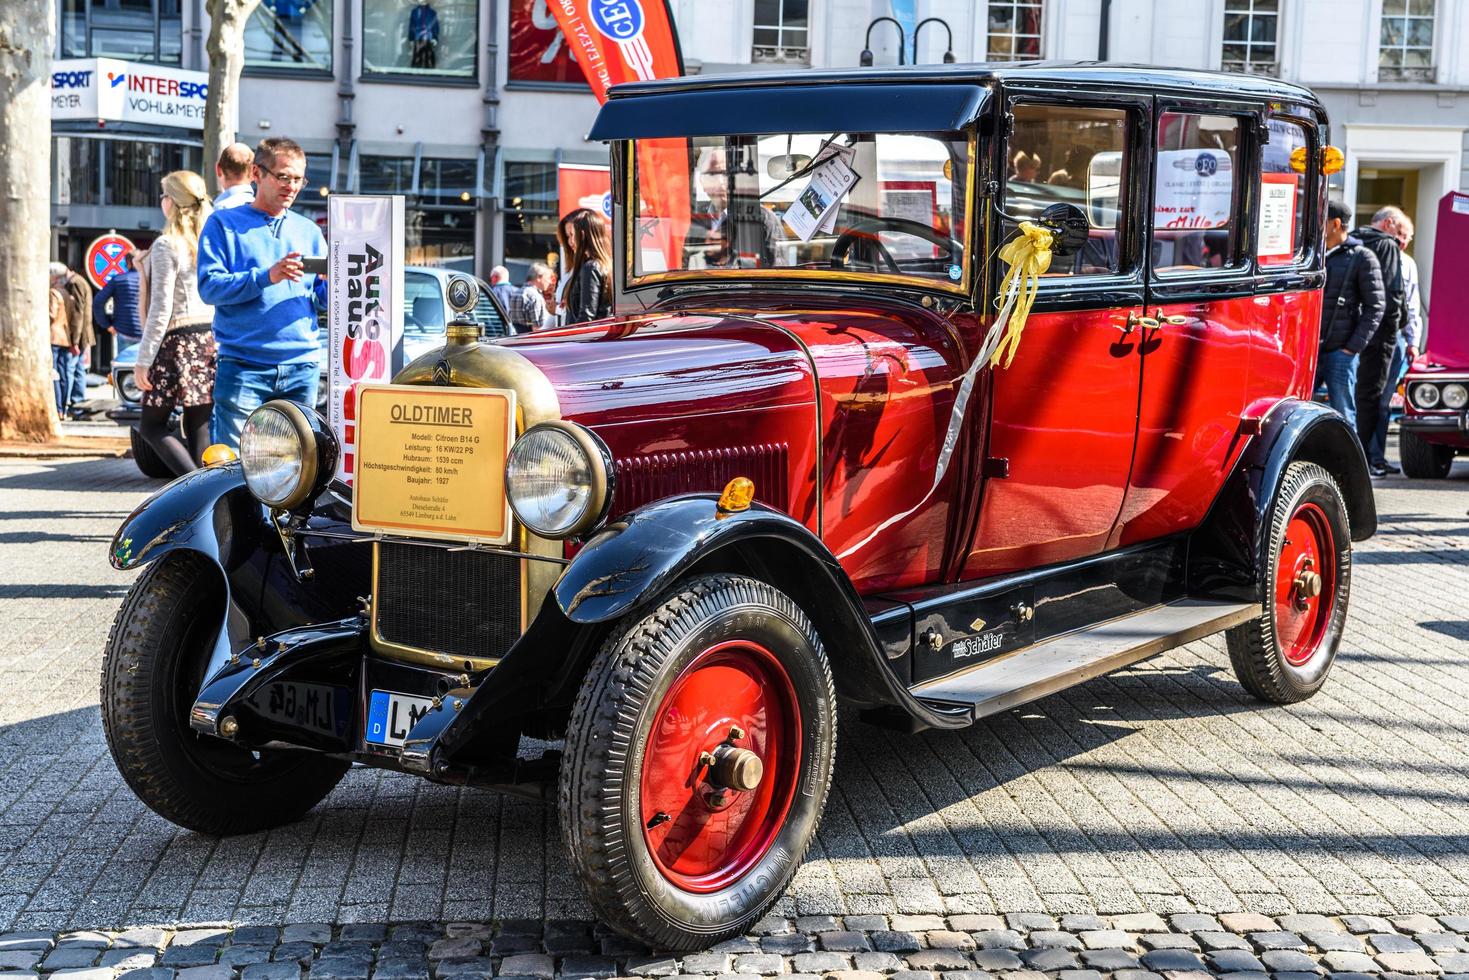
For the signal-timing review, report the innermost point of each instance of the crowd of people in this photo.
(582, 293)
(1370, 322)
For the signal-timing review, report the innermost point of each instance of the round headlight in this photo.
(557, 479)
(284, 453)
(127, 386)
(1425, 395)
(1455, 396)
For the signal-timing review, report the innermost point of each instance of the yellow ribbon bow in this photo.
(1028, 256)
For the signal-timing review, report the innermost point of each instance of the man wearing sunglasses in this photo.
(264, 302)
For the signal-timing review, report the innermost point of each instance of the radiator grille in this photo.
(641, 479)
(462, 603)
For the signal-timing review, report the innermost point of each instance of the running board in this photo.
(1072, 658)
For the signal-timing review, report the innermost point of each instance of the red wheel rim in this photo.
(1305, 584)
(699, 842)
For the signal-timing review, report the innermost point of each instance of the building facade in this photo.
(471, 107)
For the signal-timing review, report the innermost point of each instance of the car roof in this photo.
(1092, 74)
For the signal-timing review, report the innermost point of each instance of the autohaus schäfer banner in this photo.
(616, 41)
(365, 306)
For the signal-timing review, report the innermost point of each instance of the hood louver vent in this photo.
(644, 479)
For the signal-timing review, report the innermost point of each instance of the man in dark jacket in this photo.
(78, 295)
(1377, 351)
(1351, 310)
(122, 289)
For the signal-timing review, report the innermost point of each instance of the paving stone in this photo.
(1054, 937)
(1366, 923)
(1391, 942)
(716, 963)
(896, 942)
(1167, 940)
(920, 975)
(1109, 960)
(815, 962)
(84, 939)
(1289, 961)
(132, 959)
(735, 946)
(200, 937)
(652, 966)
(1241, 922)
(1417, 922)
(1080, 922)
(1296, 975)
(465, 966)
(238, 956)
(865, 923)
(151, 973)
(1416, 963)
(1079, 975)
(272, 971)
(82, 973)
(1455, 923)
(1140, 922)
(773, 925)
(460, 948)
(948, 939)
(993, 959)
(150, 937)
(22, 959)
(1278, 939)
(1441, 942)
(340, 968)
(370, 932)
(1235, 961)
(188, 957)
(949, 975)
(255, 936)
(844, 942)
(1298, 922)
(853, 975)
(530, 965)
(878, 962)
(1453, 962)
(63, 959)
(423, 933)
(1222, 940)
(999, 939)
(916, 923)
(948, 959)
(1354, 976)
(395, 970)
(788, 945)
(212, 972)
(1105, 939)
(1344, 961)
(817, 923)
(1334, 941)
(1136, 975)
(1171, 960)
(301, 953)
(508, 945)
(1027, 921)
(764, 964)
(1049, 959)
(1194, 922)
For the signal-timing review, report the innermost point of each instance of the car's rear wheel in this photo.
(1424, 460)
(1285, 654)
(153, 665)
(149, 462)
(698, 758)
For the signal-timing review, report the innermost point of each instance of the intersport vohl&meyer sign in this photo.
(126, 91)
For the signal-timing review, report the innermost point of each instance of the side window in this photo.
(1196, 198)
(1071, 155)
(423, 305)
(487, 316)
(1280, 233)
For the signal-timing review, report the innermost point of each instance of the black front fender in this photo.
(642, 555)
(1226, 553)
(200, 511)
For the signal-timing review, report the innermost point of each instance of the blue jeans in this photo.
(64, 361)
(79, 379)
(1339, 370)
(1396, 368)
(241, 387)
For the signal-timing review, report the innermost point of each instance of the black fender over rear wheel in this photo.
(698, 759)
(1424, 460)
(1306, 582)
(154, 663)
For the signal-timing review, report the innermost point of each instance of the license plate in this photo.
(390, 717)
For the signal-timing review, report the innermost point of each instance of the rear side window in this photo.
(1071, 155)
(488, 317)
(423, 305)
(1280, 233)
(1196, 193)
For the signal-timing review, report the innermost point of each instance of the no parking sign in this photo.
(105, 258)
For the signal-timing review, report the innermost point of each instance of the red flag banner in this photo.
(616, 41)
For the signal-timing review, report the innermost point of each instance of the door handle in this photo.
(1136, 319)
(1176, 320)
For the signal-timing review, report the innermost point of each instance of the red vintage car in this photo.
(930, 392)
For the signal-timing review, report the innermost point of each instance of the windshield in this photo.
(831, 204)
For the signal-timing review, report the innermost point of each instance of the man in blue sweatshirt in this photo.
(121, 291)
(264, 305)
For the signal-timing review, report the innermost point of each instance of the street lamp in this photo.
(948, 48)
(866, 59)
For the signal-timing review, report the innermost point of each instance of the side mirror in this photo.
(783, 166)
(1068, 224)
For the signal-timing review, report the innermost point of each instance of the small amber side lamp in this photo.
(1298, 160)
(218, 453)
(1332, 159)
(737, 495)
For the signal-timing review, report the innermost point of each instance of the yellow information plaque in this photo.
(431, 462)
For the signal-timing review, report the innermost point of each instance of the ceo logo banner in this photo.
(126, 91)
(365, 310)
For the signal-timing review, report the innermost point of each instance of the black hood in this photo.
(1371, 236)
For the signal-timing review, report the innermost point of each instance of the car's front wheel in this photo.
(153, 666)
(1306, 581)
(1424, 460)
(698, 758)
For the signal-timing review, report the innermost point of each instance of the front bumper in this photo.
(1444, 428)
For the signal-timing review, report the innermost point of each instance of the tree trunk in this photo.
(226, 49)
(27, 399)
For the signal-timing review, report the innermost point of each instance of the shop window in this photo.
(1014, 30)
(1280, 233)
(530, 209)
(290, 34)
(1195, 225)
(384, 175)
(1072, 155)
(135, 168)
(420, 37)
(134, 30)
(444, 239)
(75, 165)
(1405, 53)
(782, 31)
(1250, 36)
(447, 182)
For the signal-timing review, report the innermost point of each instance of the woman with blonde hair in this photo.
(589, 272)
(176, 354)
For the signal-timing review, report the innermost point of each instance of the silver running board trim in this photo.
(1073, 658)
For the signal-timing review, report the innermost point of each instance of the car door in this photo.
(1063, 414)
(1195, 342)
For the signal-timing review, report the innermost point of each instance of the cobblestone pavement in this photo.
(1163, 789)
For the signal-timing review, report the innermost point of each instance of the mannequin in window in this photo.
(423, 35)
